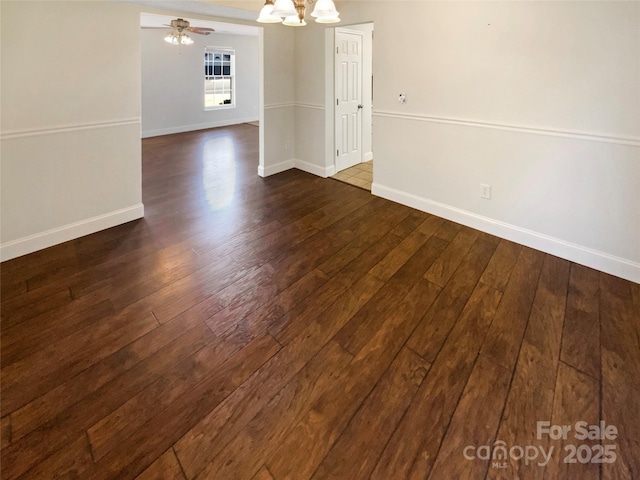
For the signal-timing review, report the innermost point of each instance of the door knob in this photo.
(359, 107)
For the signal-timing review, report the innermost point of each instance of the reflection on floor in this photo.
(360, 175)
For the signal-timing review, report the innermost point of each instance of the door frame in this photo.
(329, 111)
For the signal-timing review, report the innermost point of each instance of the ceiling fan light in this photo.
(325, 8)
(266, 14)
(171, 38)
(185, 39)
(284, 8)
(294, 21)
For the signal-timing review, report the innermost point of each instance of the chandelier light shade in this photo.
(266, 14)
(324, 8)
(328, 18)
(294, 21)
(284, 8)
(293, 12)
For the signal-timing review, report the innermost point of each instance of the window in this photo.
(219, 71)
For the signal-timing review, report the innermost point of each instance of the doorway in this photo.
(349, 103)
(179, 94)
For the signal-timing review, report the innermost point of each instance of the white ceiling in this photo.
(153, 20)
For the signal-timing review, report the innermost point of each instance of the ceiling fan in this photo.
(177, 35)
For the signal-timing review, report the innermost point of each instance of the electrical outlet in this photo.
(485, 191)
(402, 98)
(287, 145)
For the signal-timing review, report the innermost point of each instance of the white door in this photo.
(348, 88)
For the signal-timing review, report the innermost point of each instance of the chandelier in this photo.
(292, 11)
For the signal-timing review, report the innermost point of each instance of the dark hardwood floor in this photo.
(296, 327)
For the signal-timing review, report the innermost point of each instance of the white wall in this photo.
(540, 100)
(70, 121)
(279, 100)
(173, 87)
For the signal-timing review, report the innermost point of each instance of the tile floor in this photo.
(360, 175)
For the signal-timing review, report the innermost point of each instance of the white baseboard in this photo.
(199, 126)
(48, 238)
(277, 168)
(323, 172)
(367, 157)
(598, 260)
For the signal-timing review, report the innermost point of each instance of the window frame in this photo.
(232, 76)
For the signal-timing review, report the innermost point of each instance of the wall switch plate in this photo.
(485, 191)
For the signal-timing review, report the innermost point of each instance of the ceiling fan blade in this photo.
(200, 31)
(154, 28)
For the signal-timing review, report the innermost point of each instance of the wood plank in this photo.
(448, 230)
(248, 450)
(581, 333)
(363, 252)
(166, 467)
(262, 312)
(499, 270)
(410, 223)
(281, 274)
(215, 301)
(135, 453)
(27, 338)
(73, 422)
(28, 378)
(293, 264)
(431, 333)
(222, 424)
(60, 314)
(356, 451)
(385, 269)
(209, 243)
(19, 310)
(505, 337)
(635, 294)
(620, 348)
(474, 423)
(148, 354)
(442, 269)
(308, 443)
(577, 398)
(263, 474)
(11, 287)
(337, 302)
(363, 326)
(56, 260)
(377, 239)
(5, 431)
(209, 361)
(69, 462)
(532, 387)
(411, 451)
